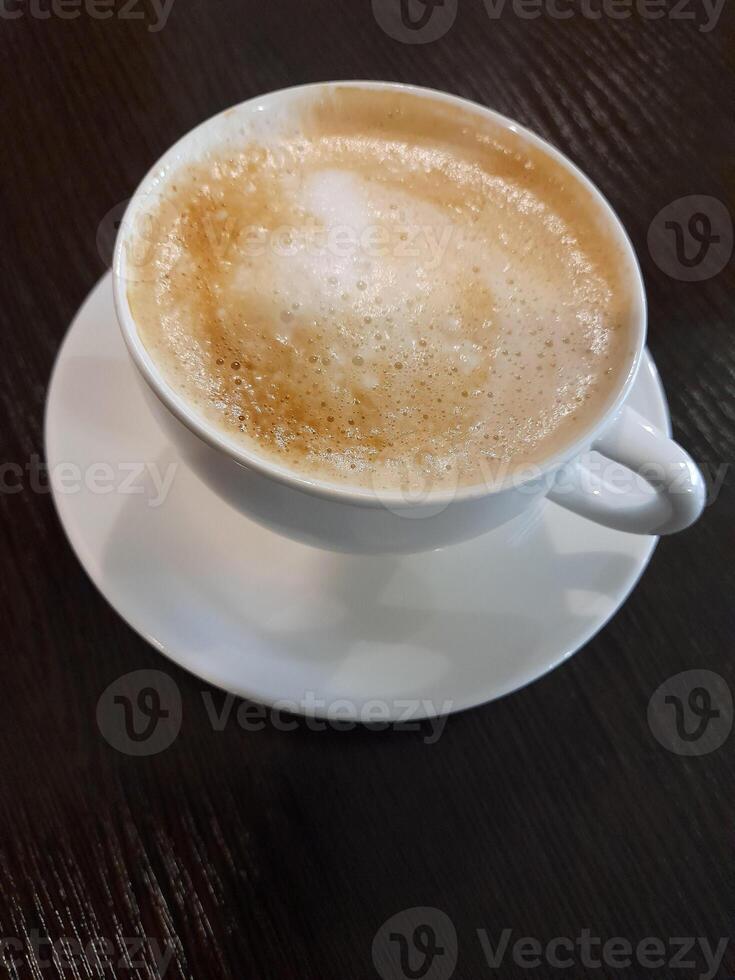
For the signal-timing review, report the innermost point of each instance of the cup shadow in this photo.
(240, 600)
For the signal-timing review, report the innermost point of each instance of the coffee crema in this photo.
(387, 290)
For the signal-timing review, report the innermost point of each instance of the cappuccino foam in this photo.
(385, 289)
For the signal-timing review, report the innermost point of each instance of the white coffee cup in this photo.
(377, 521)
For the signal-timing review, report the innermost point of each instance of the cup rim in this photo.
(364, 496)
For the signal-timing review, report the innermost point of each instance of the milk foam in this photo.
(386, 295)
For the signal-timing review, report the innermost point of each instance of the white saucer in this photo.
(272, 620)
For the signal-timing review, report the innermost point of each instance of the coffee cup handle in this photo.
(661, 490)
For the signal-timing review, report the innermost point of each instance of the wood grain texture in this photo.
(278, 855)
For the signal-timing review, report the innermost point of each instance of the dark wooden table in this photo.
(276, 854)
